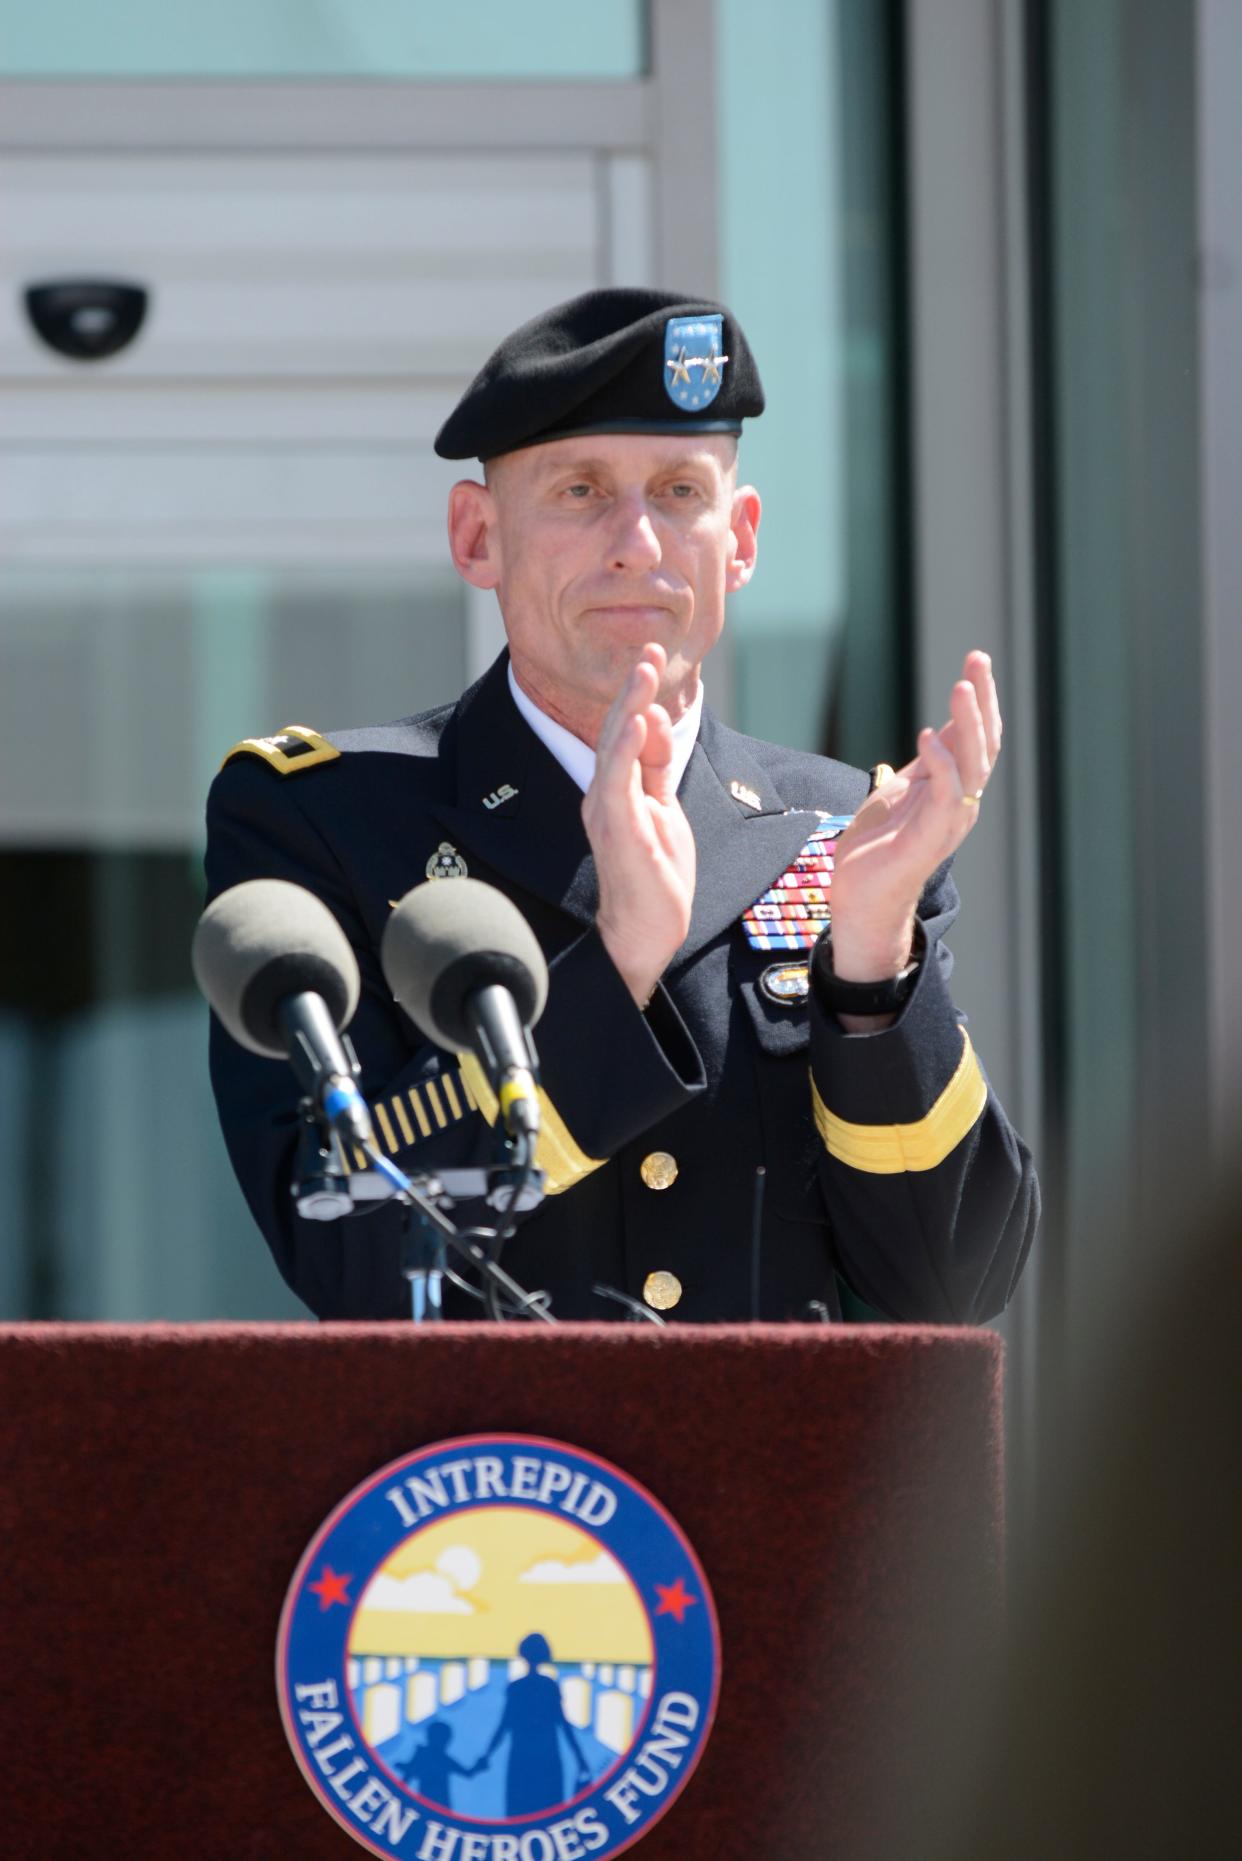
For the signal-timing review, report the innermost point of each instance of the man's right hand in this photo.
(644, 849)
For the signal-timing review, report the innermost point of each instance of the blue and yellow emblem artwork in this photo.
(498, 1648)
(693, 363)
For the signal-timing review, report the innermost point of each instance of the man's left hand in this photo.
(908, 827)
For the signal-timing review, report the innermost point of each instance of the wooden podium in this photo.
(841, 1486)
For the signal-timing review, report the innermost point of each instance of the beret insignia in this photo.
(693, 362)
(291, 750)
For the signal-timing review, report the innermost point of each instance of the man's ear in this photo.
(744, 535)
(474, 541)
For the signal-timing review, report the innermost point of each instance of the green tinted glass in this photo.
(325, 39)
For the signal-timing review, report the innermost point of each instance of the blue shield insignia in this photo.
(694, 364)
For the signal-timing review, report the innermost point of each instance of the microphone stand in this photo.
(423, 1263)
(320, 1184)
(321, 1191)
(434, 1223)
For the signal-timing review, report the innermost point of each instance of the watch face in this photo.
(882, 997)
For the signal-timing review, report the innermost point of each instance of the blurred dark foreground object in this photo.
(1112, 1732)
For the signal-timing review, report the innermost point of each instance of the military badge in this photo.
(499, 796)
(787, 984)
(794, 910)
(291, 750)
(447, 863)
(501, 1648)
(746, 796)
(693, 363)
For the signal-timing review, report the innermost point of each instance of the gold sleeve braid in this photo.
(556, 1153)
(892, 1149)
(417, 1112)
(453, 1094)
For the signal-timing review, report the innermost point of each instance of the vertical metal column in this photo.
(972, 511)
(683, 76)
(1219, 152)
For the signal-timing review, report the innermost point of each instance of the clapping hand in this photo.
(644, 849)
(908, 826)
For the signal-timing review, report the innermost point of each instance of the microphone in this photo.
(467, 968)
(280, 974)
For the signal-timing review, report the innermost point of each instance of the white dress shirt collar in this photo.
(577, 758)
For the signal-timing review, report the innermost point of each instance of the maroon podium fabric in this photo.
(841, 1487)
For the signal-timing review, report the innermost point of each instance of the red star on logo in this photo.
(331, 1588)
(675, 1599)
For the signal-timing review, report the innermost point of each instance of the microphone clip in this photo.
(320, 1184)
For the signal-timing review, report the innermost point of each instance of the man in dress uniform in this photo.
(707, 1030)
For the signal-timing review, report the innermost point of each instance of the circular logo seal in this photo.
(498, 1648)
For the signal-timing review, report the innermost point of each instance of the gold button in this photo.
(662, 1290)
(659, 1170)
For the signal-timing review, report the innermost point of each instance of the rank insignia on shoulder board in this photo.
(291, 750)
(794, 910)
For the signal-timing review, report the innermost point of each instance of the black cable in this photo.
(524, 1151)
(532, 1305)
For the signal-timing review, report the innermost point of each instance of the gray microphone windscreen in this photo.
(449, 937)
(263, 941)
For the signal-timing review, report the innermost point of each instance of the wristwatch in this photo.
(885, 997)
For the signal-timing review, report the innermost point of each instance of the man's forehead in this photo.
(627, 452)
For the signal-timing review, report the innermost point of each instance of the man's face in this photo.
(599, 544)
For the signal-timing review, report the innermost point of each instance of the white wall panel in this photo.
(227, 504)
(346, 266)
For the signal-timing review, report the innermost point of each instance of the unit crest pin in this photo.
(447, 863)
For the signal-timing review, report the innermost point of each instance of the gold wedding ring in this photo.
(972, 801)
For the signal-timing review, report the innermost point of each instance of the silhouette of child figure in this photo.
(430, 1767)
(534, 1722)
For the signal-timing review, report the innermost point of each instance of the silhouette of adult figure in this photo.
(534, 1722)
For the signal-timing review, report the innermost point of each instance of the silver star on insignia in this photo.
(680, 371)
(712, 365)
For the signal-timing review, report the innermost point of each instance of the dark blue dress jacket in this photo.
(890, 1165)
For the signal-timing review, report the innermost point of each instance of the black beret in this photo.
(615, 361)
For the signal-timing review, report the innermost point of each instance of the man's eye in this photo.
(580, 492)
(682, 491)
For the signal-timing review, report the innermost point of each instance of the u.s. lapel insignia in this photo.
(746, 796)
(447, 863)
(499, 796)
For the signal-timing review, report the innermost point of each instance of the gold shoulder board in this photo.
(291, 750)
(883, 772)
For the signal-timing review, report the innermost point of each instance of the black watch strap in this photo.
(884, 997)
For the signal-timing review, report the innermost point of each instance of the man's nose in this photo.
(634, 543)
